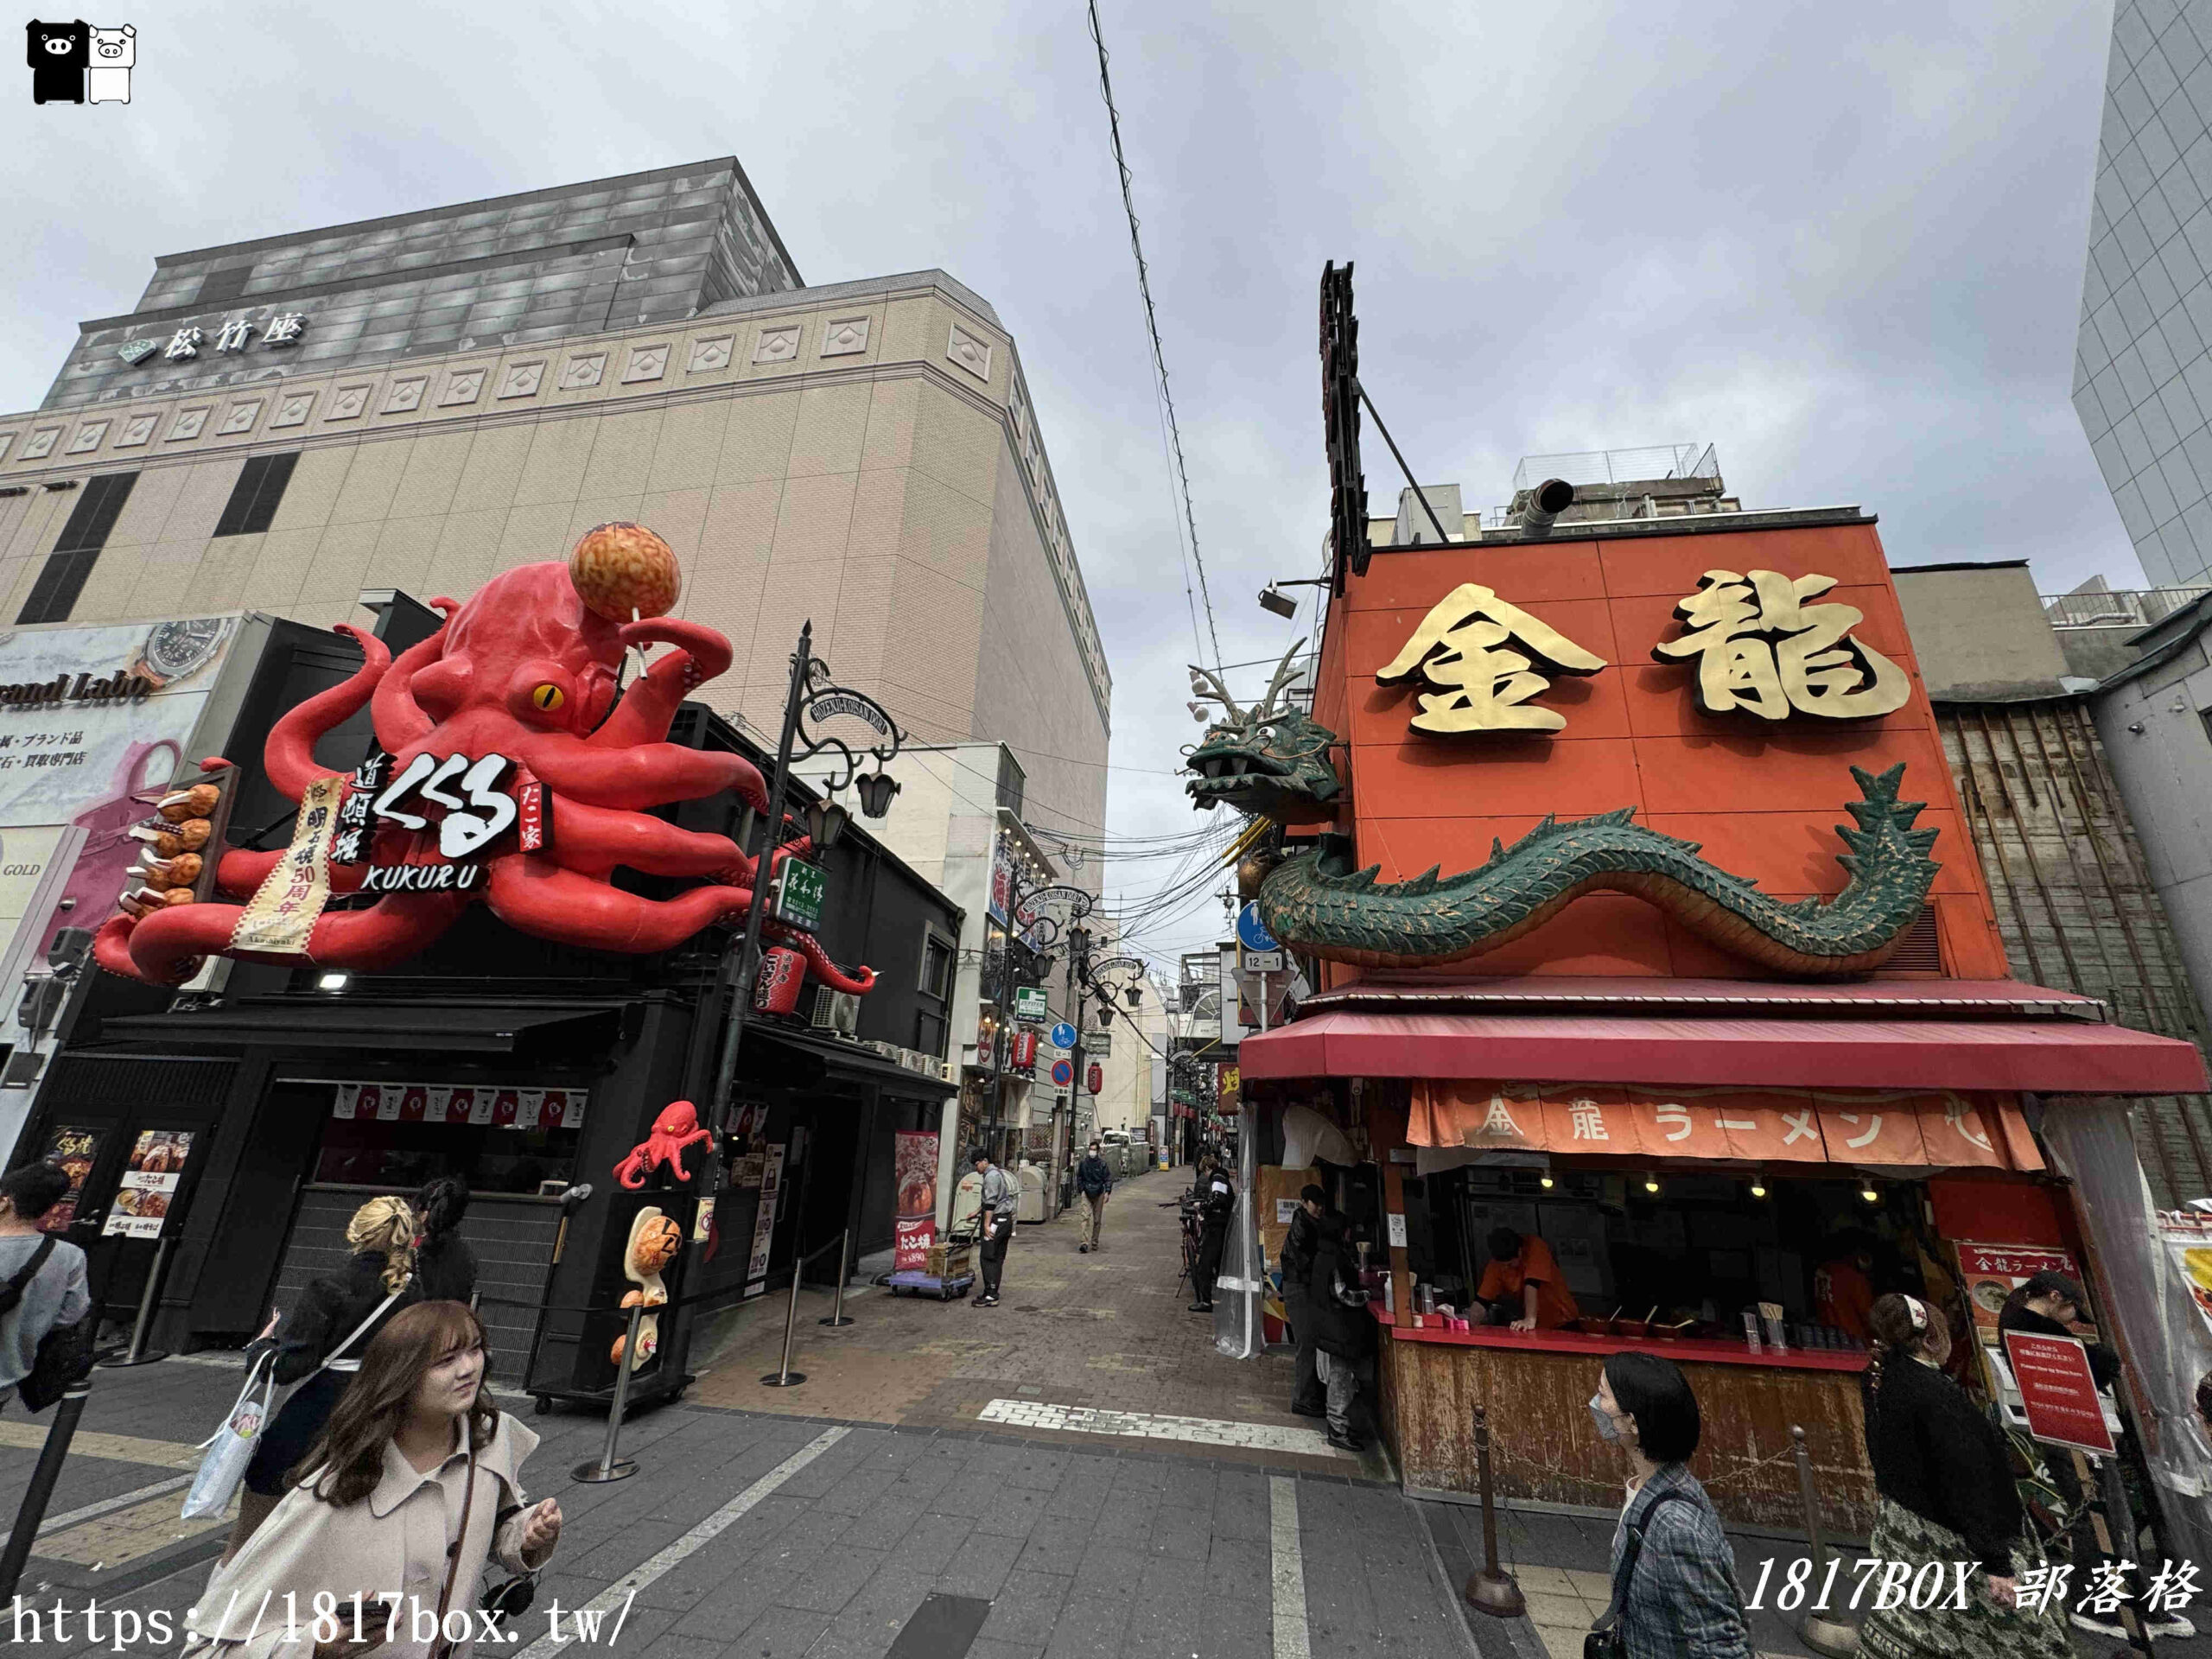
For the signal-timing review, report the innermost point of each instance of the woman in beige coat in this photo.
(360, 1556)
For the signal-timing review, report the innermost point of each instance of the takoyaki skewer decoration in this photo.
(176, 858)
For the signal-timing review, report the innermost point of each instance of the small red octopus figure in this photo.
(676, 1128)
(527, 670)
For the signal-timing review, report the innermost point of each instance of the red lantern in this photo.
(1025, 1051)
(782, 973)
(1094, 1079)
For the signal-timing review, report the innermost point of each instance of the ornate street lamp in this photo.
(812, 700)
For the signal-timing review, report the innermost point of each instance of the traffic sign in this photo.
(1030, 1003)
(1063, 1072)
(1252, 933)
(1062, 1037)
(800, 890)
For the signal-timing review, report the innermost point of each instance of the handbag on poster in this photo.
(230, 1448)
(1604, 1640)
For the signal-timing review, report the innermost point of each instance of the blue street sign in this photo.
(1252, 933)
(1062, 1037)
(1063, 1072)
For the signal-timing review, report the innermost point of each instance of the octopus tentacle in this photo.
(661, 772)
(167, 947)
(242, 871)
(399, 718)
(289, 757)
(856, 983)
(703, 653)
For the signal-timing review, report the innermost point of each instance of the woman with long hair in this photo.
(320, 1346)
(1674, 1593)
(445, 1268)
(1943, 1477)
(412, 1485)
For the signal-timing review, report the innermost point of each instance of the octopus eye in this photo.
(549, 698)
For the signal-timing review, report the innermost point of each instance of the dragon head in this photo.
(1270, 761)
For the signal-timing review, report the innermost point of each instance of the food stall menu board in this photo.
(1990, 1272)
(74, 1150)
(150, 1183)
(2058, 1391)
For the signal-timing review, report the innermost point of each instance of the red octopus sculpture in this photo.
(527, 671)
(674, 1130)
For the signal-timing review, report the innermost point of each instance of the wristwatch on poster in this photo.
(174, 650)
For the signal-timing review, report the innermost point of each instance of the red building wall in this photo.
(1763, 798)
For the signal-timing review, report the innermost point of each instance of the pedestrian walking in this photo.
(1943, 1479)
(445, 1266)
(413, 1484)
(1306, 1398)
(1674, 1590)
(993, 1222)
(1343, 1332)
(1094, 1179)
(42, 1283)
(320, 1346)
(1216, 1205)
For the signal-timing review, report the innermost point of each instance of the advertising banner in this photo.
(914, 1181)
(75, 1150)
(2187, 1238)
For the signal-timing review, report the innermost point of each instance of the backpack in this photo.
(64, 1355)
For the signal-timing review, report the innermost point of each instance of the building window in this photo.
(254, 497)
(937, 969)
(929, 1033)
(54, 594)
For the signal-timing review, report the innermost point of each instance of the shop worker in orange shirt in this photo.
(1522, 1274)
(1843, 1289)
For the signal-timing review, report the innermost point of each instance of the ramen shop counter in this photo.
(1681, 1351)
(1545, 1450)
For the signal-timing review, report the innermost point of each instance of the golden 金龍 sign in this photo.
(1478, 686)
(1764, 652)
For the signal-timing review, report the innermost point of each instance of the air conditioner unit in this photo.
(837, 1011)
(947, 1071)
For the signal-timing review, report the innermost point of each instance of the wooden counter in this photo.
(1545, 1449)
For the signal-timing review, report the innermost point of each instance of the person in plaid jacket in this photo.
(1682, 1600)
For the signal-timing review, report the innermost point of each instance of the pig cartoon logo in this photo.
(115, 51)
(59, 55)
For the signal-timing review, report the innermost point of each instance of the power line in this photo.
(1152, 325)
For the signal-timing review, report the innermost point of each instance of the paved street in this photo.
(1077, 1474)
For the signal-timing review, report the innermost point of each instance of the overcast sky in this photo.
(1844, 244)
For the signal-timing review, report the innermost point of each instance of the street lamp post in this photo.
(1022, 908)
(811, 699)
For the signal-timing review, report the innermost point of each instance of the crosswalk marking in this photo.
(1149, 1426)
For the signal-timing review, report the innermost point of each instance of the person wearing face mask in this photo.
(1943, 1478)
(414, 1482)
(1674, 1590)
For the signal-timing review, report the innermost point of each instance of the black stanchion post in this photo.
(1832, 1638)
(149, 1299)
(608, 1466)
(32, 1510)
(844, 1271)
(1489, 1589)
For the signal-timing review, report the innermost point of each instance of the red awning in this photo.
(2052, 1057)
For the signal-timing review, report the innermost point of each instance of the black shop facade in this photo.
(278, 1098)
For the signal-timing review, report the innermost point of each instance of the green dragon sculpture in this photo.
(1271, 761)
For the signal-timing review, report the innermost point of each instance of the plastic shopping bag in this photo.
(230, 1448)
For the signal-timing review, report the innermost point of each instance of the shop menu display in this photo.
(764, 1221)
(75, 1151)
(150, 1183)
(914, 1178)
(498, 1107)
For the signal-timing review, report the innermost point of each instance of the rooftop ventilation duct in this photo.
(1546, 502)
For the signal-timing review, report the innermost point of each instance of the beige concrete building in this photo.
(864, 455)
